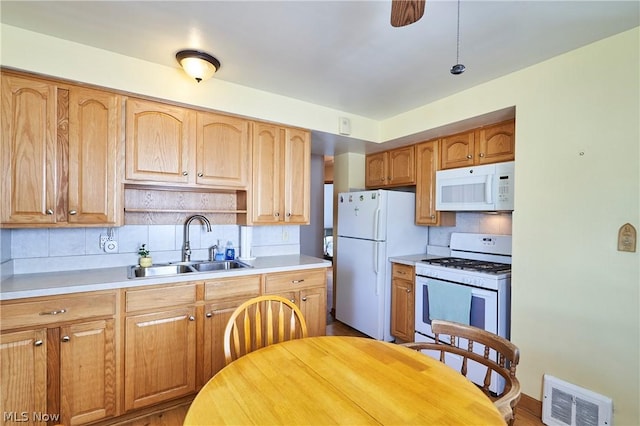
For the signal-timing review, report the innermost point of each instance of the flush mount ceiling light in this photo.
(199, 65)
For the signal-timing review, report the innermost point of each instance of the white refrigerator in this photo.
(372, 226)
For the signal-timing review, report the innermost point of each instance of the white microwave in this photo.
(480, 188)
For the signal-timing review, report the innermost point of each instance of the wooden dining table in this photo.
(340, 380)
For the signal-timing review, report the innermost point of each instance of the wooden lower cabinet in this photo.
(159, 344)
(308, 290)
(23, 374)
(222, 297)
(402, 302)
(61, 364)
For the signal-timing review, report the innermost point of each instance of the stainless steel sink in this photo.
(178, 268)
(159, 270)
(220, 265)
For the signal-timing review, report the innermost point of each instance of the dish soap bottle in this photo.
(230, 253)
(219, 254)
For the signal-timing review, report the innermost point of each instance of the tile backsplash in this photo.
(56, 249)
(474, 222)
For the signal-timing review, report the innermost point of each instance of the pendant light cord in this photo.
(458, 36)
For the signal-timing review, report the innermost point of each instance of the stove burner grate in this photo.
(470, 265)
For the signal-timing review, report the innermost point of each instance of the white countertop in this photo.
(411, 259)
(55, 283)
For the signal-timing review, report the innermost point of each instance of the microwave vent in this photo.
(565, 404)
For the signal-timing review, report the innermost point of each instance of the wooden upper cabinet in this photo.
(376, 169)
(281, 175)
(297, 176)
(457, 150)
(158, 142)
(491, 144)
(222, 153)
(28, 151)
(59, 154)
(391, 168)
(94, 139)
(427, 158)
(496, 143)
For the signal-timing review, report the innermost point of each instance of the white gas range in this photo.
(473, 286)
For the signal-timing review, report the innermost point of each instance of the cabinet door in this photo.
(160, 351)
(158, 142)
(427, 156)
(457, 151)
(313, 304)
(223, 155)
(496, 143)
(376, 170)
(23, 378)
(297, 175)
(28, 151)
(267, 174)
(87, 372)
(402, 166)
(94, 132)
(402, 309)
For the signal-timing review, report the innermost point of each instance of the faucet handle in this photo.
(212, 252)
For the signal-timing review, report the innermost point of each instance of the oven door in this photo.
(484, 306)
(484, 315)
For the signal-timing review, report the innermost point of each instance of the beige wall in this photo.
(576, 299)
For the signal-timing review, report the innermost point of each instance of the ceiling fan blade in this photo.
(405, 12)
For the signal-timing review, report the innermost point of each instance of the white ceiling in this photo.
(340, 54)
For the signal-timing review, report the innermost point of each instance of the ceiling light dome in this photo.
(199, 65)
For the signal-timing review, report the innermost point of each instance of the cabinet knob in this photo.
(481, 154)
(73, 212)
(49, 212)
(65, 338)
(433, 216)
(469, 157)
(292, 300)
(277, 214)
(38, 343)
(185, 173)
(408, 290)
(200, 174)
(208, 315)
(382, 179)
(289, 214)
(304, 299)
(192, 318)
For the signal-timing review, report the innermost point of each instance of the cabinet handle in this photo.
(304, 299)
(297, 281)
(433, 216)
(49, 212)
(408, 290)
(200, 174)
(208, 315)
(65, 338)
(73, 212)
(37, 343)
(185, 173)
(469, 157)
(382, 179)
(481, 154)
(56, 312)
(289, 214)
(277, 214)
(292, 300)
(192, 318)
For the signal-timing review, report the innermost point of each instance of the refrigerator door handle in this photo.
(376, 267)
(376, 224)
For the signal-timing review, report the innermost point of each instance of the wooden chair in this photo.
(260, 322)
(508, 356)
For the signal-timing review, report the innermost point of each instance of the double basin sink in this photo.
(178, 268)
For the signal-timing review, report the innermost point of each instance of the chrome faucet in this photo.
(186, 248)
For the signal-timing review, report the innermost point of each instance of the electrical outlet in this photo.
(285, 235)
(103, 240)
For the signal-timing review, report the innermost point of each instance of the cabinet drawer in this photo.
(232, 287)
(160, 297)
(57, 309)
(291, 281)
(400, 270)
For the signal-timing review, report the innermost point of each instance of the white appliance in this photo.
(372, 226)
(480, 188)
(480, 263)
